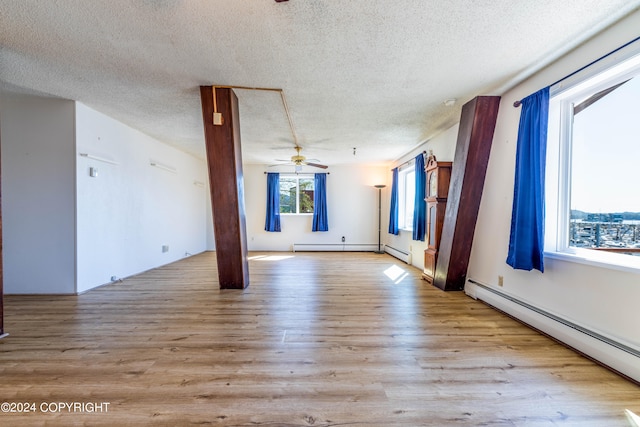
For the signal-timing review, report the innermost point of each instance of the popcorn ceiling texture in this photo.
(371, 74)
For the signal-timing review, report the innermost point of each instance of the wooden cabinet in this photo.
(437, 189)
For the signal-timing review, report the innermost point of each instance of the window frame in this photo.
(614, 68)
(297, 177)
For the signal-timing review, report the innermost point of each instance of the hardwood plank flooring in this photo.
(318, 339)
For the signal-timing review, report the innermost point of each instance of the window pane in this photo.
(605, 201)
(287, 195)
(401, 200)
(410, 193)
(306, 195)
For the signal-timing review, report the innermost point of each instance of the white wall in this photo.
(130, 210)
(38, 197)
(601, 299)
(66, 232)
(352, 208)
(443, 147)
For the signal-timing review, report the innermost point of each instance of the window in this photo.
(296, 194)
(593, 165)
(406, 197)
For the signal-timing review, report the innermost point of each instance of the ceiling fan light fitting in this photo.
(298, 160)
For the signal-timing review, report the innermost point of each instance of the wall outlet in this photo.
(500, 281)
(343, 239)
(165, 248)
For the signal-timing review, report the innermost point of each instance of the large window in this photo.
(406, 197)
(296, 194)
(594, 164)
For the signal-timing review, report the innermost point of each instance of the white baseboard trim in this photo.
(618, 356)
(397, 253)
(334, 247)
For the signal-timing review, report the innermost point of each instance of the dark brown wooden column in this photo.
(224, 161)
(475, 134)
(1, 265)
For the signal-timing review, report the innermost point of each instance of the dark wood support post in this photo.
(1, 265)
(226, 182)
(475, 135)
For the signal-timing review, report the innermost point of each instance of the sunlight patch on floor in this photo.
(396, 274)
(634, 419)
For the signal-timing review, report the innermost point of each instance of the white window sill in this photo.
(601, 259)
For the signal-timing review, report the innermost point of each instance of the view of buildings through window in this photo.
(604, 170)
(296, 194)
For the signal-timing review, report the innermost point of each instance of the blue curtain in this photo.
(526, 241)
(272, 222)
(393, 212)
(320, 220)
(419, 204)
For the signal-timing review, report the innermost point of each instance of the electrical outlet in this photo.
(500, 281)
(165, 248)
(343, 239)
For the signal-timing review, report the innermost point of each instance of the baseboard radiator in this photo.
(621, 357)
(334, 247)
(401, 255)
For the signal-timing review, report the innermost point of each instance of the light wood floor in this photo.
(333, 339)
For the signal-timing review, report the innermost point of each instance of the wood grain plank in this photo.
(319, 339)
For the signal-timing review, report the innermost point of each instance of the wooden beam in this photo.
(226, 182)
(475, 134)
(1, 266)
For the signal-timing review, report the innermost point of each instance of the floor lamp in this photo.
(379, 187)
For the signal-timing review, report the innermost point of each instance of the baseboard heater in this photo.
(513, 307)
(397, 253)
(334, 247)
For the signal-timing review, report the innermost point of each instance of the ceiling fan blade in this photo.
(316, 165)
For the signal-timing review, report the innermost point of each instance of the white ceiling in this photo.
(371, 74)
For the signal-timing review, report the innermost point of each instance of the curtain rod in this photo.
(409, 161)
(518, 103)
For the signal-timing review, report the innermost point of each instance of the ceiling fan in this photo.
(299, 160)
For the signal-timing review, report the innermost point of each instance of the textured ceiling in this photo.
(371, 74)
